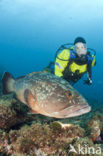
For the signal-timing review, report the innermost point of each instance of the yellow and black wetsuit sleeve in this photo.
(93, 61)
(61, 62)
(89, 65)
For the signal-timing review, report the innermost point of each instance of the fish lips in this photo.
(80, 111)
(73, 111)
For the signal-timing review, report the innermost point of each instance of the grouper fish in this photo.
(46, 94)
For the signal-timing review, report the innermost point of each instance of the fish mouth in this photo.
(73, 111)
(80, 111)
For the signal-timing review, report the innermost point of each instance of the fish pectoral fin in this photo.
(30, 99)
(32, 112)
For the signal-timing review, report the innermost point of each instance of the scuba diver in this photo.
(72, 62)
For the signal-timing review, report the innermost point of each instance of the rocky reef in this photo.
(26, 134)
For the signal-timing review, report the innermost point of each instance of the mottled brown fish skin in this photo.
(50, 95)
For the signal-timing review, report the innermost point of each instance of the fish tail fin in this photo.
(7, 83)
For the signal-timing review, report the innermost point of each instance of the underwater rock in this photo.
(43, 139)
(7, 114)
(39, 136)
(11, 112)
(4, 143)
(95, 129)
(84, 146)
(95, 126)
(55, 139)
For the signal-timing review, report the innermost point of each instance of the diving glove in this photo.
(88, 81)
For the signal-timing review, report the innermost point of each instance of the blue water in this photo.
(32, 30)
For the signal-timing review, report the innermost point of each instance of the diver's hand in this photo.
(88, 81)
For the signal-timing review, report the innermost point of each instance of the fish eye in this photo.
(69, 94)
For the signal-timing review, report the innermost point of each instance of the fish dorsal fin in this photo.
(36, 73)
(21, 77)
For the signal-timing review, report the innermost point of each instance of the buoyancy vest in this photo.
(70, 65)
